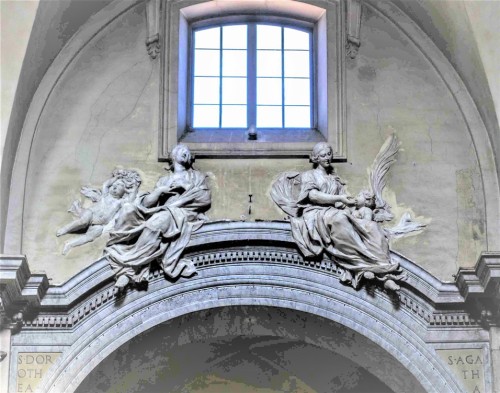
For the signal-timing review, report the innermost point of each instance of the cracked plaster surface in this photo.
(103, 114)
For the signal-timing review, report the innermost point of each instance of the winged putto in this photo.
(107, 202)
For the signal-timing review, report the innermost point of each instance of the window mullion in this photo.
(220, 76)
(282, 77)
(312, 82)
(252, 77)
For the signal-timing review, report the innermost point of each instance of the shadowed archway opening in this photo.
(250, 349)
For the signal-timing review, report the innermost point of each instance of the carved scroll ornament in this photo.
(353, 27)
(153, 27)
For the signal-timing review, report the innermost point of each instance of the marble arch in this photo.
(260, 267)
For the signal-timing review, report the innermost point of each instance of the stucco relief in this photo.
(326, 220)
(145, 228)
(100, 217)
(158, 225)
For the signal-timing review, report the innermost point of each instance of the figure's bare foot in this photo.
(369, 275)
(189, 270)
(67, 248)
(121, 283)
(75, 208)
(60, 232)
(391, 285)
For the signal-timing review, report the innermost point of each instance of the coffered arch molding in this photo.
(397, 332)
(247, 264)
(97, 25)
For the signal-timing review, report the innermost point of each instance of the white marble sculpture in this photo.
(157, 226)
(99, 217)
(324, 219)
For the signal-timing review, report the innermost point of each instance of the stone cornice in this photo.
(483, 279)
(27, 298)
(21, 292)
(480, 287)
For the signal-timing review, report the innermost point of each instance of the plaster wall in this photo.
(17, 19)
(103, 113)
(464, 32)
(33, 33)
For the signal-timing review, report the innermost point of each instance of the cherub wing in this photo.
(93, 194)
(405, 226)
(381, 165)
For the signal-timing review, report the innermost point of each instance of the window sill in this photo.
(269, 143)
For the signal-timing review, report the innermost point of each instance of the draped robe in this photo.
(357, 245)
(143, 234)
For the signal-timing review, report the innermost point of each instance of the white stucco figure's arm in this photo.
(106, 205)
(322, 198)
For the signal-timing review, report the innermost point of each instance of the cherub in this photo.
(120, 188)
(326, 220)
(364, 205)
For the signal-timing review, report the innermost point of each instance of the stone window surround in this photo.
(328, 21)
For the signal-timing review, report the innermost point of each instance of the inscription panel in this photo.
(31, 368)
(468, 366)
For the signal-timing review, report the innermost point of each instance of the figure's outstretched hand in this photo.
(348, 200)
(164, 189)
(92, 193)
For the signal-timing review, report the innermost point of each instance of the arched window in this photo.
(253, 76)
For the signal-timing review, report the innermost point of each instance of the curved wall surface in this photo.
(99, 110)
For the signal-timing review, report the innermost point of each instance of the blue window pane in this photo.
(207, 38)
(234, 37)
(234, 116)
(234, 62)
(298, 116)
(268, 37)
(297, 92)
(269, 91)
(205, 116)
(282, 84)
(296, 39)
(234, 91)
(206, 90)
(297, 64)
(206, 62)
(268, 63)
(269, 117)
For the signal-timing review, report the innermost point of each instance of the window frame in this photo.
(328, 20)
(282, 22)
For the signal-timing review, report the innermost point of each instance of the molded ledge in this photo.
(483, 279)
(229, 242)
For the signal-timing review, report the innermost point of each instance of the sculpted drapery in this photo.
(324, 219)
(158, 225)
